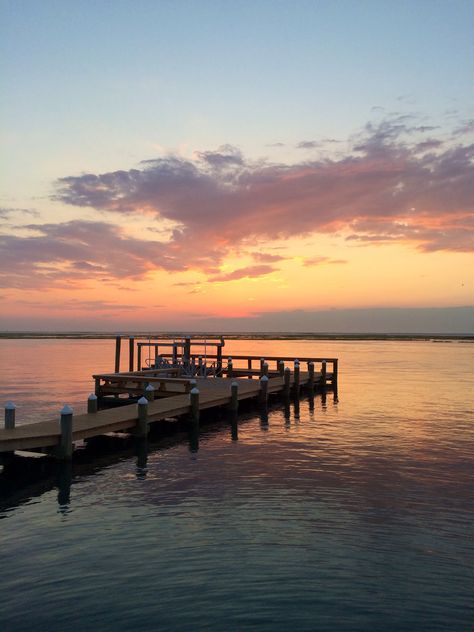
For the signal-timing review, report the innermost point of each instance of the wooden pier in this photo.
(155, 393)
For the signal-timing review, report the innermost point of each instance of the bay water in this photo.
(349, 514)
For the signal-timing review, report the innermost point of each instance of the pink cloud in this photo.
(250, 272)
(391, 185)
(221, 197)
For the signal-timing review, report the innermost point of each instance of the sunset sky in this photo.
(214, 165)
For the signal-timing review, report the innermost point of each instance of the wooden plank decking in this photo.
(212, 392)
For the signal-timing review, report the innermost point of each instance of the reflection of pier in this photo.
(178, 382)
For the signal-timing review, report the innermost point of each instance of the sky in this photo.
(237, 166)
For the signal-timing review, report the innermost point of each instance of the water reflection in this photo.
(193, 437)
(234, 424)
(141, 450)
(64, 481)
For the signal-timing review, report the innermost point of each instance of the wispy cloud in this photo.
(317, 261)
(249, 272)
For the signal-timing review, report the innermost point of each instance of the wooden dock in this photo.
(150, 395)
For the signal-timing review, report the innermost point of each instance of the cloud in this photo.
(265, 257)
(220, 198)
(317, 261)
(308, 144)
(70, 253)
(6, 213)
(392, 184)
(250, 272)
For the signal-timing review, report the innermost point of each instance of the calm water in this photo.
(355, 515)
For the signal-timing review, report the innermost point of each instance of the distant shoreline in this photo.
(238, 336)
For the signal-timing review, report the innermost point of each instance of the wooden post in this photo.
(118, 342)
(219, 361)
(230, 368)
(187, 349)
(234, 397)
(265, 369)
(296, 376)
(200, 366)
(92, 402)
(281, 367)
(322, 382)
(175, 354)
(194, 401)
(10, 409)
(287, 377)
(311, 375)
(249, 367)
(64, 450)
(139, 356)
(150, 393)
(264, 389)
(141, 429)
(262, 362)
(334, 375)
(131, 353)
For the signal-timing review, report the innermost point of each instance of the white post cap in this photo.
(150, 387)
(92, 397)
(66, 410)
(194, 391)
(10, 406)
(264, 378)
(143, 401)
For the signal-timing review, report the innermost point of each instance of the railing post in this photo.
(187, 349)
(281, 368)
(262, 362)
(249, 368)
(265, 369)
(118, 342)
(131, 353)
(92, 403)
(10, 409)
(219, 361)
(65, 441)
(230, 368)
(141, 429)
(334, 375)
(139, 356)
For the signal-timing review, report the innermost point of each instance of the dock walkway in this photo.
(151, 394)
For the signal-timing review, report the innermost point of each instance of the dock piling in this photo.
(64, 450)
(265, 369)
(194, 401)
(287, 376)
(150, 392)
(296, 375)
(281, 368)
(10, 409)
(311, 375)
(322, 382)
(230, 368)
(234, 397)
(142, 421)
(92, 403)
(264, 389)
